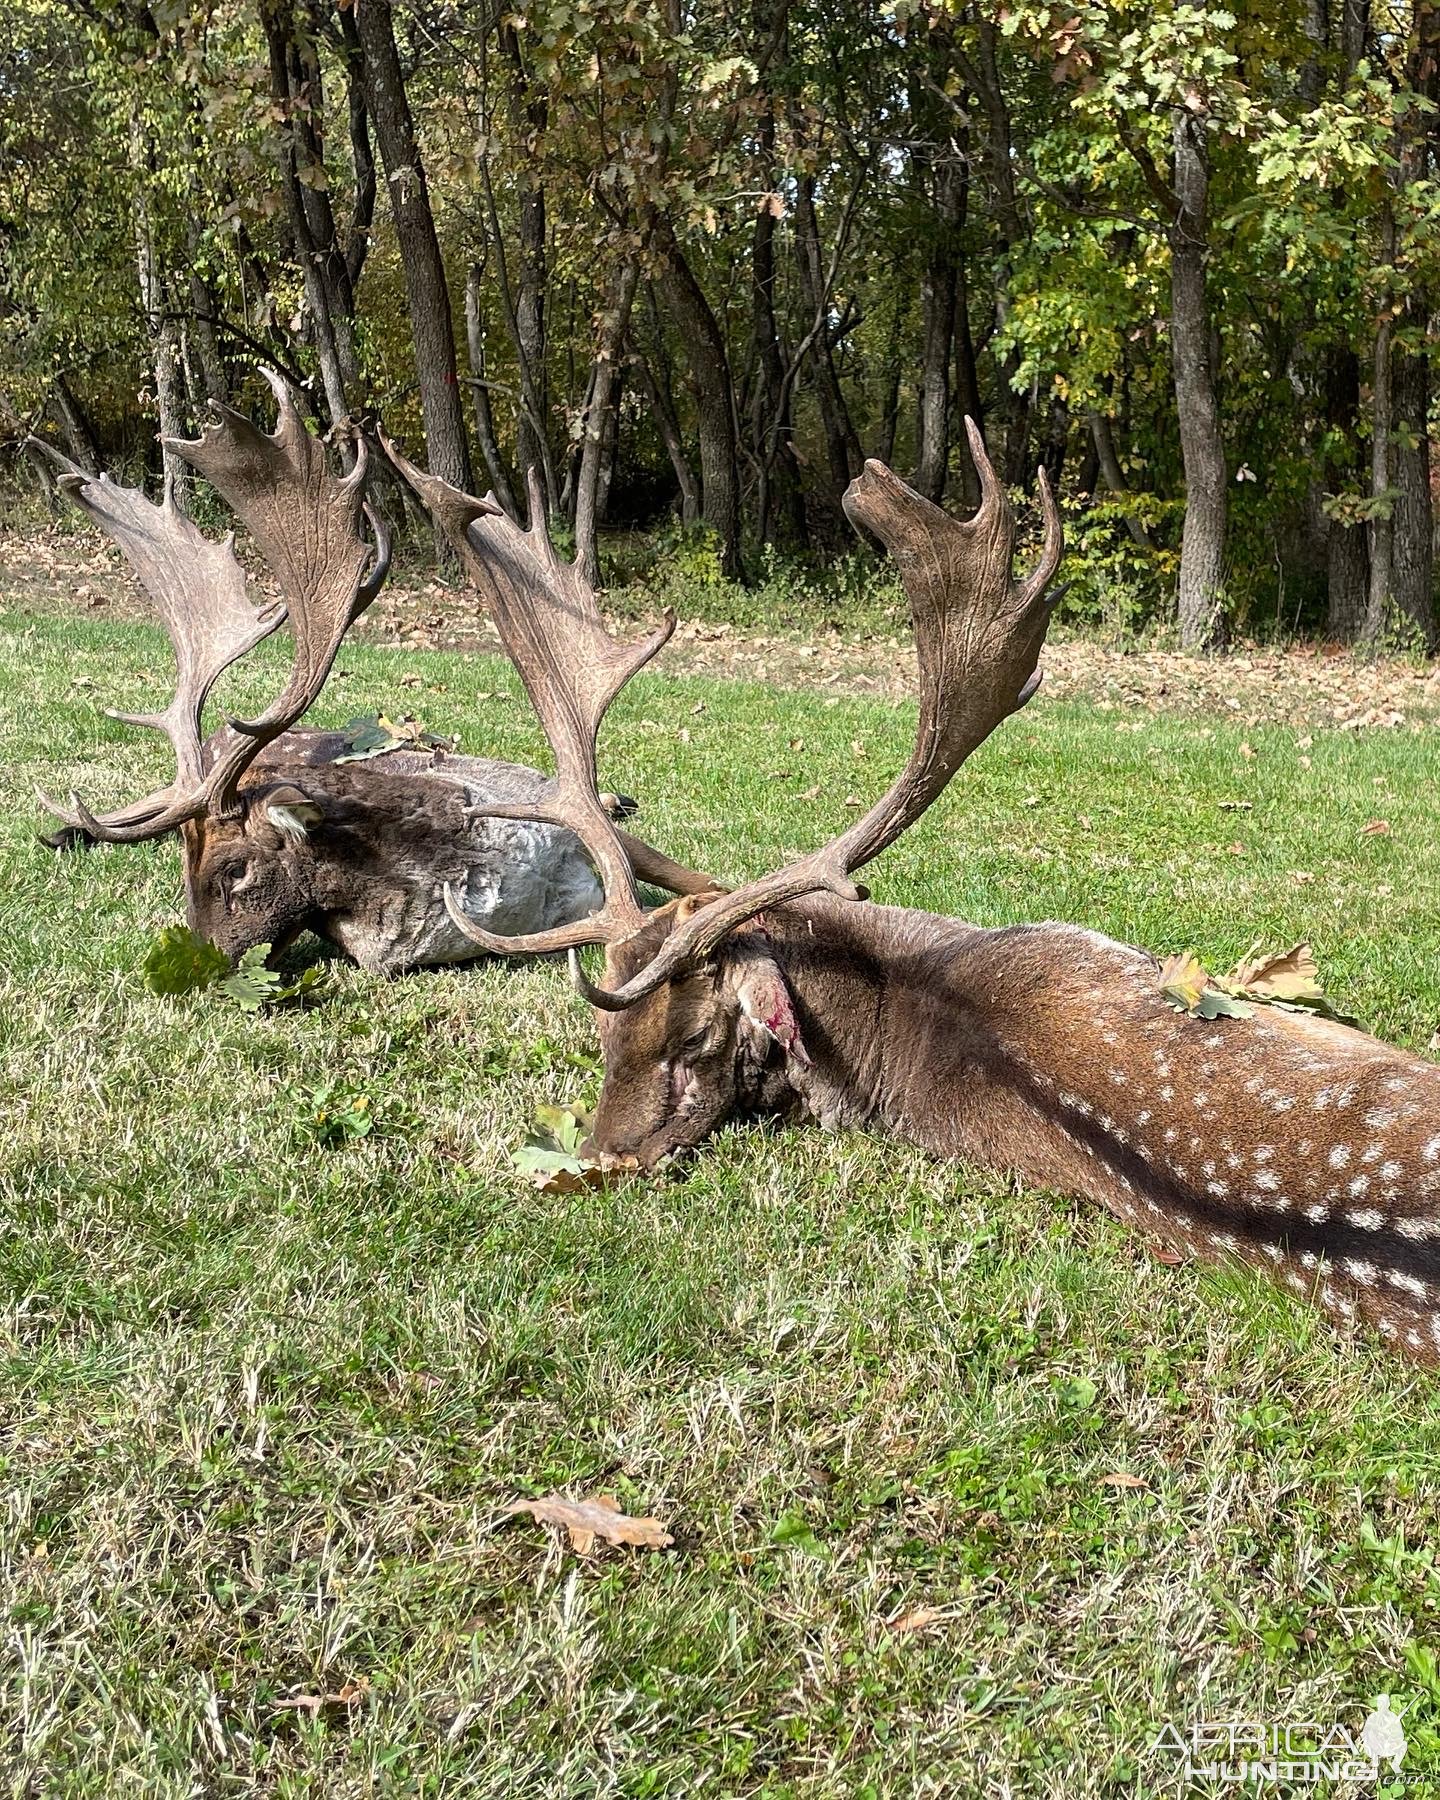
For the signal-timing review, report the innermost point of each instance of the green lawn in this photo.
(265, 1399)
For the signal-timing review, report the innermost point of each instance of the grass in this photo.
(265, 1397)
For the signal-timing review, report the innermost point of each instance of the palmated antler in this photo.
(977, 635)
(549, 622)
(977, 638)
(307, 526)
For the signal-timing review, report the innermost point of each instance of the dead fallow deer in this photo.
(1298, 1146)
(279, 837)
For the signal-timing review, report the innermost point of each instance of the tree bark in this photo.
(1412, 524)
(479, 387)
(447, 448)
(75, 423)
(662, 410)
(842, 442)
(715, 417)
(1202, 543)
(938, 288)
(1382, 535)
(159, 323)
(604, 387)
(1346, 553)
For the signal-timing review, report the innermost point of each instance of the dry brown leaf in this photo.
(919, 1618)
(1162, 1253)
(1376, 828)
(1287, 975)
(1119, 1479)
(349, 1694)
(598, 1517)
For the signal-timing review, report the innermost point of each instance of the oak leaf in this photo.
(598, 1517)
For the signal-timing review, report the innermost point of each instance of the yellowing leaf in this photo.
(600, 1517)
(1183, 980)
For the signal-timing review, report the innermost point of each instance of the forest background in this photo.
(693, 264)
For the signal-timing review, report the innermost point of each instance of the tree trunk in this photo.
(1412, 524)
(662, 411)
(1346, 553)
(75, 422)
(479, 388)
(159, 326)
(447, 449)
(938, 288)
(715, 418)
(604, 386)
(1108, 462)
(1377, 610)
(1202, 544)
(842, 442)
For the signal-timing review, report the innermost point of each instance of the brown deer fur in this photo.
(1300, 1147)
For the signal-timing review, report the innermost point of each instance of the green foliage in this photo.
(179, 961)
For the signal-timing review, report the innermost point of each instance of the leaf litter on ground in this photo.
(598, 1517)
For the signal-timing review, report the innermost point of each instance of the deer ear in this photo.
(767, 1011)
(292, 813)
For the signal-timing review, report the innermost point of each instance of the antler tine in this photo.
(549, 621)
(199, 593)
(307, 525)
(977, 637)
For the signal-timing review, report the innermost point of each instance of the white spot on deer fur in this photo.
(1214, 1041)
(1207, 1168)
(1321, 1100)
(1217, 1188)
(1284, 1103)
(1305, 1146)
(1309, 1260)
(1431, 1152)
(1316, 1213)
(1346, 1096)
(1110, 1037)
(1363, 1272)
(1222, 1240)
(1144, 1117)
(1372, 1153)
(1267, 1179)
(1391, 1171)
(1170, 1134)
(1263, 1152)
(1413, 1339)
(1200, 1102)
(1389, 1329)
(1418, 1229)
(1232, 1161)
(1295, 1281)
(1408, 1284)
(1167, 1094)
(1360, 1185)
(1339, 1157)
(1380, 1118)
(1120, 1078)
(1274, 1252)
(1365, 1218)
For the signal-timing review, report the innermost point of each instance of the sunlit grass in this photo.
(264, 1401)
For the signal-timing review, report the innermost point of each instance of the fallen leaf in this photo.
(1119, 1479)
(1162, 1253)
(1376, 828)
(600, 1517)
(1183, 980)
(351, 1693)
(1287, 975)
(919, 1618)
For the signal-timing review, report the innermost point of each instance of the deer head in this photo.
(696, 1019)
(243, 832)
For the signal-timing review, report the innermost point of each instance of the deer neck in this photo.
(892, 1009)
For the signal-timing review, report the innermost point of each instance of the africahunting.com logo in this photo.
(1249, 1750)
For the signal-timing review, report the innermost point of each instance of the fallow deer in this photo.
(278, 836)
(1298, 1146)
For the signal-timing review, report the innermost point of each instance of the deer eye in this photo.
(234, 878)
